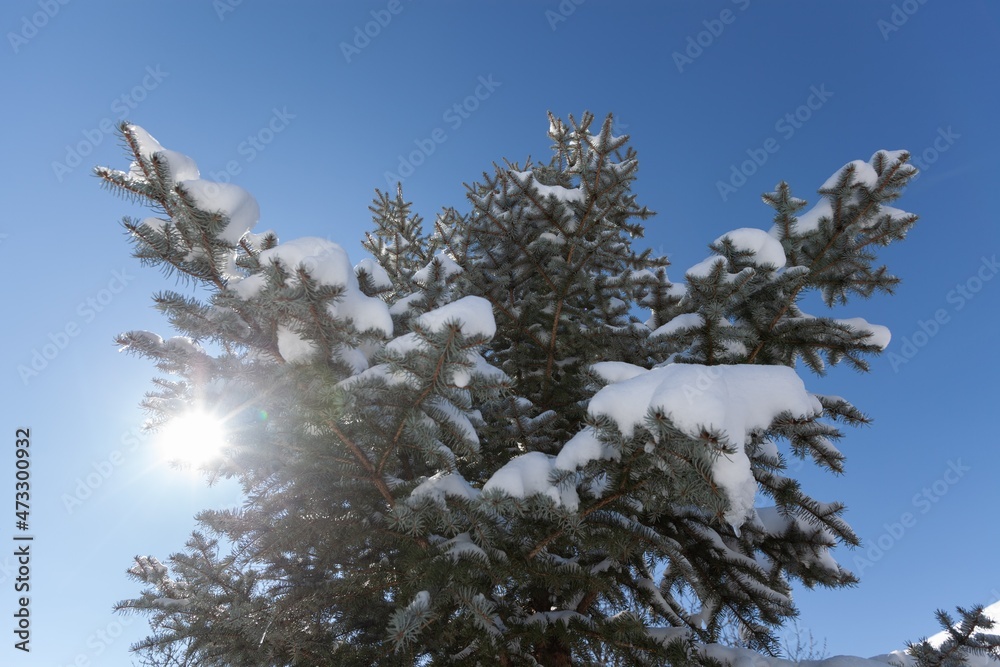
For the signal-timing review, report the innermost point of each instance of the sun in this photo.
(192, 440)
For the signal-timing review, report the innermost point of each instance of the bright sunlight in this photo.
(191, 440)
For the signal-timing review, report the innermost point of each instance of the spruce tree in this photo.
(472, 448)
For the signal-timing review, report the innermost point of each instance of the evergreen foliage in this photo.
(433, 484)
(964, 640)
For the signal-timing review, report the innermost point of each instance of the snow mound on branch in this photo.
(448, 268)
(181, 167)
(380, 279)
(682, 321)
(877, 334)
(767, 249)
(809, 221)
(531, 473)
(445, 484)
(616, 371)
(526, 178)
(705, 267)
(731, 400)
(227, 199)
(864, 174)
(328, 264)
(293, 347)
(473, 314)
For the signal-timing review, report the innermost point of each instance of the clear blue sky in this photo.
(204, 79)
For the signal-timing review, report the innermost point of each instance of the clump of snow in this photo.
(809, 221)
(531, 473)
(616, 371)
(473, 314)
(405, 343)
(402, 306)
(448, 268)
(479, 366)
(732, 400)
(294, 347)
(705, 267)
(445, 484)
(380, 279)
(328, 264)
(183, 344)
(682, 321)
(561, 193)
(180, 166)
(527, 475)
(893, 212)
(877, 334)
(581, 449)
(229, 200)
(864, 174)
(767, 248)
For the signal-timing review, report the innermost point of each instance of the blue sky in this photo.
(267, 94)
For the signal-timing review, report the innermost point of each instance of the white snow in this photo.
(809, 221)
(561, 193)
(402, 306)
(380, 279)
(229, 200)
(616, 371)
(893, 212)
(528, 474)
(864, 174)
(581, 449)
(293, 347)
(480, 366)
(328, 264)
(448, 268)
(767, 248)
(445, 484)
(733, 400)
(473, 314)
(705, 267)
(181, 167)
(405, 343)
(992, 612)
(877, 334)
(682, 321)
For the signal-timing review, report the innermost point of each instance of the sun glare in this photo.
(192, 440)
